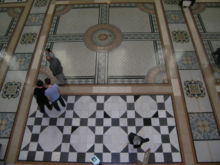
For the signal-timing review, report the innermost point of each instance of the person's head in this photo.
(47, 81)
(40, 83)
(48, 50)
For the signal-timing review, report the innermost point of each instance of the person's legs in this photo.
(41, 106)
(62, 101)
(61, 79)
(56, 106)
(48, 105)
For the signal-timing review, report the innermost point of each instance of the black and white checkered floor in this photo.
(99, 125)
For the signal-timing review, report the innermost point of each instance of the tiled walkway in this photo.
(130, 67)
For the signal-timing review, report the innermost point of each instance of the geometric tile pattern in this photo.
(203, 126)
(20, 61)
(174, 17)
(35, 19)
(187, 60)
(100, 125)
(11, 90)
(180, 36)
(194, 89)
(40, 3)
(172, 2)
(6, 123)
(28, 38)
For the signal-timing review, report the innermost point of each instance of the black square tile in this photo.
(47, 156)
(31, 155)
(168, 158)
(69, 106)
(115, 122)
(165, 138)
(99, 139)
(131, 122)
(115, 157)
(160, 106)
(147, 122)
(163, 121)
(34, 137)
(83, 122)
(99, 122)
(81, 157)
(130, 106)
(132, 157)
(38, 121)
(66, 139)
(152, 158)
(53, 121)
(64, 156)
(68, 122)
(100, 106)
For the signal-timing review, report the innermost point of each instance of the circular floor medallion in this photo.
(103, 37)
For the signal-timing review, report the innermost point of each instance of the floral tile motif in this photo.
(35, 19)
(174, 17)
(40, 3)
(172, 2)
(6, 123)
(20, 61)
(203, 126)
(194, 89)
(180, 36)
(28, 38)
(11, 90)
(187, 60)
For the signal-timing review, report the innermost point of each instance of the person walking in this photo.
(136, 140)
(53, 94)
(40, 97)
(55, 67)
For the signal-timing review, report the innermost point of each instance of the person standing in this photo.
(216, 55)
(40, 97)
(136, 140)
(53, 94)
(55, 67)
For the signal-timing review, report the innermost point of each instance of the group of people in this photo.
(47, 93)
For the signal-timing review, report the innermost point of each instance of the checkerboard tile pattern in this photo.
(100, 125)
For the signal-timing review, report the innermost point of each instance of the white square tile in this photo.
(139, 122)
(76, 122)
(99, 114)
(67, 130)
(160, 99)
(72, 156)
(89, 156)
(202, 152)
(69, 113)
(124, 158)
(65, 147)
(33, 146)
(159, 157)
(71, 99)
(123, 122)
(99, 148)
(36, 129)
(100, 99)
(171, 122)
(23, 155)
(107, 157)
(164, 130)
(91, 122)
(45, 121)
(107, 122)
(131, 129)
(166, 147)
(130, 114)
(130, 99)
(214, 148)
(155, 122)
(99, 130)
(39, 155)
(55, 156)
(30, 121)
(176, 157)
(162, 114)
(60, 121)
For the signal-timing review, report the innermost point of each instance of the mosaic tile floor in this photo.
(100, 125)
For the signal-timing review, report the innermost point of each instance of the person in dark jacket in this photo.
(216, 55)
(40, 97)
(55, 67)
(136, 140)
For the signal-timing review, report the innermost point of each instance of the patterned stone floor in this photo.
(100, 125)
(116, 43)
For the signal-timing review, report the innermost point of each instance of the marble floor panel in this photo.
(207, 24)
(100, 125)
(107, 49)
